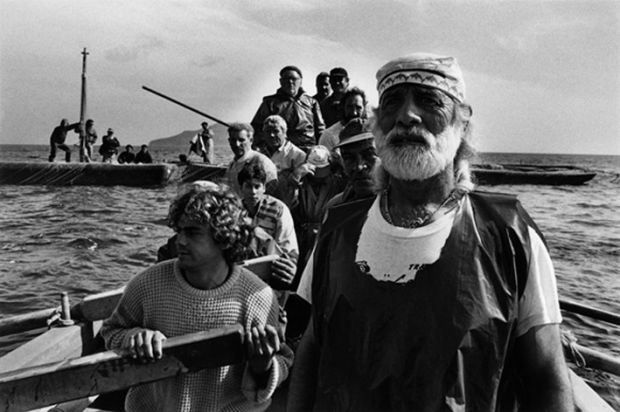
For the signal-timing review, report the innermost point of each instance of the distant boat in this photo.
(106, 174)
(162, 174)
(530, 174)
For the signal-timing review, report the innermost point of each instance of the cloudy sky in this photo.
(542, 76)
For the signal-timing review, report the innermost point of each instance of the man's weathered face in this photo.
(416, 134)
(353, 107)
(240, 143)
(322, 86)
(290, 82)
(195, 244)
(360, 159)
(274, 136)
(339, 83)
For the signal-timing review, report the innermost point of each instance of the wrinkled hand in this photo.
(284, 269)
(262, 343)
(303, 170)
(145, 345)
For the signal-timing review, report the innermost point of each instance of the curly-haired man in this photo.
(203, 289)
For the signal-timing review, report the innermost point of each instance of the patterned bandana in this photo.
(439, 72)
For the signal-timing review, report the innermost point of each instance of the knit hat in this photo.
(439, 72)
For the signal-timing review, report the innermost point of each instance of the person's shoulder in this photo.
(274, 201)
(259, 156)
(271, 97)
(266, 161)
(341, 214)
(159, 273)
(307, 98)
(294, 149)
(486, 195)
(494, 202)
(331, 100)
(252, 284)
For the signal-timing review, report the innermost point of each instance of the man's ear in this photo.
(465, 114)
(466, 111)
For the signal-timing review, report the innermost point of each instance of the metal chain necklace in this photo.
(423, 216)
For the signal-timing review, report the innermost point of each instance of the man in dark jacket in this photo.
(430, 296)
(300, 111)
(58, 137)
(331, 107)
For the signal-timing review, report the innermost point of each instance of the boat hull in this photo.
(509, 174)
(104, 174)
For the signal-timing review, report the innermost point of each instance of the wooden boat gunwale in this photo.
(74, 344)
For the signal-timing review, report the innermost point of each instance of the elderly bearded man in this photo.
(430, 296)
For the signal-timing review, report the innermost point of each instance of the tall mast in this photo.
(83, 110)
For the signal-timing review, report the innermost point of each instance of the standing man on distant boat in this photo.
(109, 147)
(300, 111)
(430, 296)
(90, 138)
(58, 137)
(202, 144)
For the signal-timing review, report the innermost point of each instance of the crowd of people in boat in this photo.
(108, 150)
(394, 285)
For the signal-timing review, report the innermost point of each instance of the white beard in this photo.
(417, 161)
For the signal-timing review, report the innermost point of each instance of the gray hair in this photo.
(275, 120)
(239, 127)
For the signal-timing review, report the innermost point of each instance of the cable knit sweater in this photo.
(161, 299)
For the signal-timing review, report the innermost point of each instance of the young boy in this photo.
(274, 217)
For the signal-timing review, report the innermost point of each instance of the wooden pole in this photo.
(83, 109)
(215, 119)
(594, 313)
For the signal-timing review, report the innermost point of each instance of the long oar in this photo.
(594, 313)
(215, 119)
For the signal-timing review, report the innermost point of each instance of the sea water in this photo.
(87, 239)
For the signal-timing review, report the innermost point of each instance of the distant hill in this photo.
(181, 140)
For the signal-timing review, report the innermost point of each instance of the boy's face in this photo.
(252, 192)
(195, 244)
